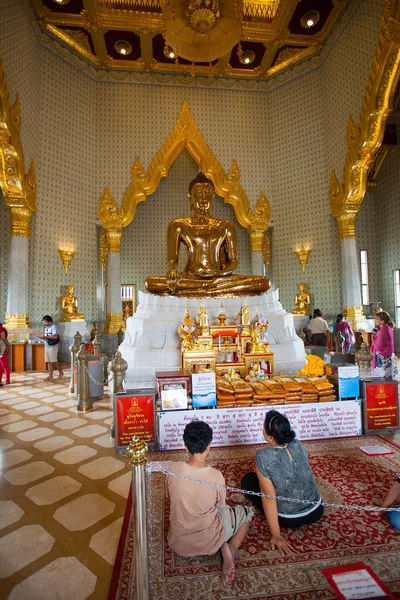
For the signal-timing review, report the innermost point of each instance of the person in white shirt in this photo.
(318, 330)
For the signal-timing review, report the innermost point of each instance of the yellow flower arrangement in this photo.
(315, 366)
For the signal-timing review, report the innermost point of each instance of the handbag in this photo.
(53, 341)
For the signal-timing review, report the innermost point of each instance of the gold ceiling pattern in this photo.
(273, 34)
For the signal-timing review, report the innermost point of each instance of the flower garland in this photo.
(315, 366)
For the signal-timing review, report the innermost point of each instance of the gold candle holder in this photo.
(303, 255)
(66, 257)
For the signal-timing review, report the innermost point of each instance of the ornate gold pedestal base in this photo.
(353, 314)
(17, 321)
(113, 323)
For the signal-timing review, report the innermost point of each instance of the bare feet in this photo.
(61, 375)
(48, 379)
(228, 565)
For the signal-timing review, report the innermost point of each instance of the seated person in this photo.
(200, 520)
(393, 500)
(282, 469)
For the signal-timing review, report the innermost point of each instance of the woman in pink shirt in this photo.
(4, 366)
(383, 345)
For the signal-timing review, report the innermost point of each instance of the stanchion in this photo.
(97, 344)
(136, 453)
(118, 367)
(83, 401)
(74, 349)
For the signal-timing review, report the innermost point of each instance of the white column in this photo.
(114, 282)
(17, 296)
(350, 274)
(257, 263)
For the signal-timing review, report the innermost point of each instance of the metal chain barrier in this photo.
(157, 468)
(106, 382)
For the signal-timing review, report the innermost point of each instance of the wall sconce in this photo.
(66, 257)
(303, 254)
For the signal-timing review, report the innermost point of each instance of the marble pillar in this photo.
(17, 297)
(257, 263)
(352, 303)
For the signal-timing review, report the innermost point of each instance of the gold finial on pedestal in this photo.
(303, 254)
(137, 451)
(221, 314)
(66, 257)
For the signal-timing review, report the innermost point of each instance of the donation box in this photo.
(380, 405)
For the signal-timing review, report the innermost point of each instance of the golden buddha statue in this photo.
(69, 305)
(302, 301)
(212, 260)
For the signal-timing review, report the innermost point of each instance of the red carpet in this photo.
(344, 474)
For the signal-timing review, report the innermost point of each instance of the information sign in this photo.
(203, 389)
(381, 410)
(234, 426)
(134, 415)
(349, 382)
(356, 582)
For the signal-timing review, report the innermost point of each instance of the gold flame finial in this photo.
(66, 257)
(303, 255)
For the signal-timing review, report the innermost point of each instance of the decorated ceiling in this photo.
(228, 38)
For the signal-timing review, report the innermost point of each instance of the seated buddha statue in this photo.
(212, 253)
(69, 305)
(302, 301)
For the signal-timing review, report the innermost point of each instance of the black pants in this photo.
(318, 339)
(250, 482)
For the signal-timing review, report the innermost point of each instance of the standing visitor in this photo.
(382, 347)
(4, 354)
(201, 523)
(318, 330)
(51, 341)
(345, 329)
(282, 469)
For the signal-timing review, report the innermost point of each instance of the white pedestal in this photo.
(299, 322)
(66, 332)
(152, 341)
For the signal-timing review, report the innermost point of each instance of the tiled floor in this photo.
(63, 492)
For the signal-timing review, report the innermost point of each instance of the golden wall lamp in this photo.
(303, 254)
(66, 257)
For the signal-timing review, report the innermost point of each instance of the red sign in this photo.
(381, 406)
(356, 581)
(134, 416)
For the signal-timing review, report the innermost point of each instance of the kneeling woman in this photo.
(282, 469)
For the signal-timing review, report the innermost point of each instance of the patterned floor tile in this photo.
(83, 512)
(99, 414)
(105, 542)
(35, 434)
(3, 411)
(54, 416)
(102, 467)
(6, 444)
(65, 403)
(10, 419)
(9, 513)
(14, 457)
(20, 426)
(121, 485)
(105, 441)
(28, 473)
(89, 431)
(23, 546)
(78, 582)
(75, 455)
(53, 490)
(26, 405)
(70, 423)
(39, 411)
(54, 443)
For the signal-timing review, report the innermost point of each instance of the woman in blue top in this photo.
(282, 469)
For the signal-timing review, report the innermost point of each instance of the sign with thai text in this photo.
(203, 389)
(356, 582)
(349, 381)
(134, 415)
(381, 406)
(235, 426)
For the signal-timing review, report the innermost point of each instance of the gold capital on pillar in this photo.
(113, 323)
(347, 225)
(17, 321)
(20, 220)
(114, 240)
(257, 240)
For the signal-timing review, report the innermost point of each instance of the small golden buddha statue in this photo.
(212, 253)
(302, 301)
(186, 331)
(202, 319)
(69, 305)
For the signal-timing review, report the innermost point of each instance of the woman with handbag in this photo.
(345, 329)
(4, 354)
(51, 341)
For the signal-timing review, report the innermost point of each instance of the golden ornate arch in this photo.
(19, 189)
(364, 140)
(185, 134)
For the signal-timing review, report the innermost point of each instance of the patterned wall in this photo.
(88, 133)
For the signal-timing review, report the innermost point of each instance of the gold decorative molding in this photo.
(257, 241)
(113, 237)
(17, 321)
(103, 251)
(365, 139)
(113, 323)
(19, 189)
(266, 250)
(353, 314)
(184, 135)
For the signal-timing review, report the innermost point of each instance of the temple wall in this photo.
(88, 134)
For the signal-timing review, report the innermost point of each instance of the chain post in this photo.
(74, 349)
(83, 401)
(97, 344)
(118, 367)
